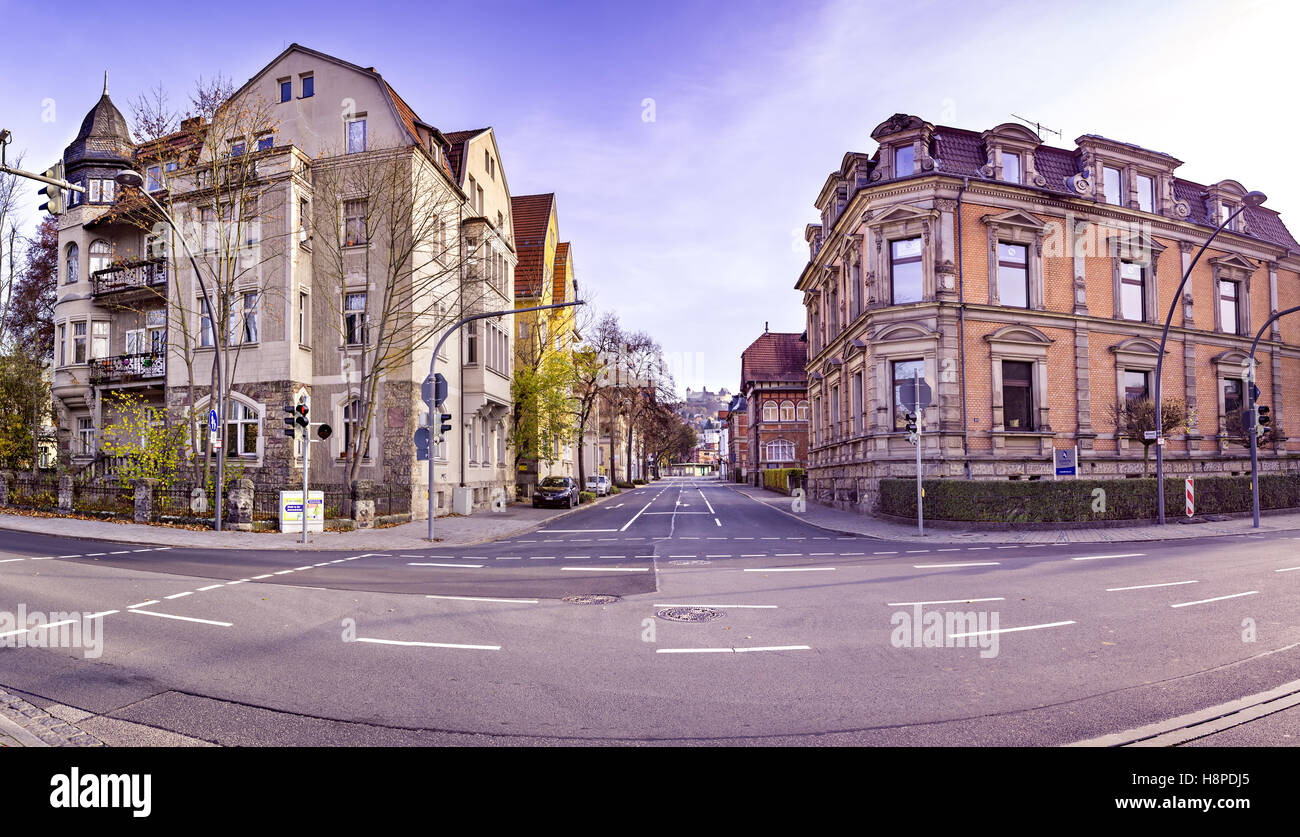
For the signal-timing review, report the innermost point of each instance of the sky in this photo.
(687, 141)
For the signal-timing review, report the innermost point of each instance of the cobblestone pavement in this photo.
(24, 725)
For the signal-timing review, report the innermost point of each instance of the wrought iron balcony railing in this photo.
(121, 368)
(144, 274)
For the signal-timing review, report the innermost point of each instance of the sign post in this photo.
(915, 396)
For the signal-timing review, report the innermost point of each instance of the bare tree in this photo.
(1136, 417)
(602, 337)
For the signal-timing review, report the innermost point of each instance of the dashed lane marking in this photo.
(484, 599)
(1012, 630)
(184, 618)
(1216, 599)
(732, 650)
(946, 601)
(789, 570)
(1149, 586)
(462, 566)
(946, 566)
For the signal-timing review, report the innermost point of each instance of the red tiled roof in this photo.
(531, 215)
(775, 356)
(561, 272)
(458, 140)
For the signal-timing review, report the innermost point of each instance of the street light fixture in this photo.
(129, 177)
(1249, 199)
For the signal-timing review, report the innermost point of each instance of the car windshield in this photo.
(554, 482)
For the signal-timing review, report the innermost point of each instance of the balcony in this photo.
(127, 368)
(148, 275)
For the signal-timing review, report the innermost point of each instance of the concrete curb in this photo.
(560, 516)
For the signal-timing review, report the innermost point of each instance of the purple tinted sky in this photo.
(691, 225)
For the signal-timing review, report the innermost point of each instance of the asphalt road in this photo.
(821, 638)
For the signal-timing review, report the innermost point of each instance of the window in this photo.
(352, 428)
(1230, 306)
(153, 178)
(304, 319)
(356, 136)
(787, 411)
(471, 344)
(63, 344)
(1225, 212)
(250, 318)
(479, 193)
(101, 255)
(1146, 193)
(855, 403)
(242, 423)
(1017, 395)
(100, 190)
(170, 165)
(780, 451)
(904, 370)
(904, 161)
(1013, 275)
(905, 270)
(237, 148)
(470, 193)
(1010, 167)
(802, 411)
(79, 342)
(769, 411)
(354, 319)
(205, 325)
(487, 164)
(1136, 385)
(136, 342)
(354, 223)
(74, 264)
(265, 141)
(86, 436)
(99, 339)
(208, 223)
(308, 86)
(304, 221)
(483, 440)
(1132, 289)
(1233, 396)
(1112, 179)
(501, 444)
(286, 89)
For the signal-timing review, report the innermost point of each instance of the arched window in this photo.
(769, 411)
(803, 411)
(101, 255)
(787, 411)
(780, 451)
(242, 429)
(74, 263)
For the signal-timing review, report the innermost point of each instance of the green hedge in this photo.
(1055, 501)
(778, 479)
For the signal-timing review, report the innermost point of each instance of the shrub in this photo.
(1043, 501)
(779, 479)
(638, 482)
(586, 497)
(614, 489)
(623, 485)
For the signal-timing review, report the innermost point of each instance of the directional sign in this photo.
(907, 395)
(1148, 434)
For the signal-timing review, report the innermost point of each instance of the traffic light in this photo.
(291, 422)
(1262, 420)
(911, 422)
(53, 194)
(444, 425)
(302, 421)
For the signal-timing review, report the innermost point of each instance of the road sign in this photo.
(907, 395)
(1067, 462)
(421, 443)
(1191, 496)
(433, 390)
(212, 420)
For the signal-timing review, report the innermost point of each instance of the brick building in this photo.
(773, 383)
(1029, 284)
(737, 439)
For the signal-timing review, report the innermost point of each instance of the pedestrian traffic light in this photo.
(1262, 420)
(444, 425)
(301, 416)
(291, 422)
(53, 194)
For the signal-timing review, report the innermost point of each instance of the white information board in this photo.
(291, 511)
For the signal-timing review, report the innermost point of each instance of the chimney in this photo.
(765, 326)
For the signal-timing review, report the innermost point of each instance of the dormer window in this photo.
(904, 161)
(1225, 212)
(153, 178)
(1113, 180)
(1011, 167)
(1146, 193)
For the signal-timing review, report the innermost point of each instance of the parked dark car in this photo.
(556, 491)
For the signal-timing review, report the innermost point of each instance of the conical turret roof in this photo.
(104, 137)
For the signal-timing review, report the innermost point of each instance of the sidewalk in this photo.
(24, 725)
(480, 527)
(851, 523)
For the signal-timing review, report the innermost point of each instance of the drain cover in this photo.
(690, 614)
(590, 599)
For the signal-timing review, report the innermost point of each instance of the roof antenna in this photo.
(765, 324)
(1039, 127)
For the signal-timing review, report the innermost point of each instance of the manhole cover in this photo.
(590, 599)
(686, 562)
(690, 614)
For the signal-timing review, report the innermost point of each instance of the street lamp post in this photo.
(129, 177)
(435, 420)
(1250, 199)
(1254, 413)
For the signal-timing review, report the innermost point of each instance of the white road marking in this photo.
(789, 570)
(1287, 569)
(635, 516)
(49, 625)
(429, 644)
(256, 577)
(1149, 586)
(120, 552)
(1012, 630)
(47, 558)
(910, 551)
(102, 613)
(211, 587)
(426, 564)
(240, 581)
(484, 599)
(606, 569)
(893, 552)
(945, 601)
(951, 549)
(732, 650)
(977, 548)
(185, 618)
(11, 560)
(1096, 557)
(282, 572)
(93, 554)
(1216, 599)
(747, 607)
(180, 595)
(142, 604)
(968, 564)
(853, 553)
